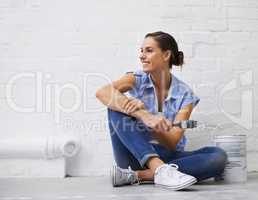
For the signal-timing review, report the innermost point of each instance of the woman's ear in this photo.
(167, 55)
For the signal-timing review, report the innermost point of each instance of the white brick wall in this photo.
(68, 39)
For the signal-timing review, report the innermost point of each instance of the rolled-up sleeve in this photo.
(135, 90)
(189, 98)
(137, 76)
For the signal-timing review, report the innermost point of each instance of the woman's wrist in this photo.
(141, 114)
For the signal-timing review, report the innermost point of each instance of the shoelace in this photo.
(130, 175)
(174, 165)
(171, 173)
(138, 182)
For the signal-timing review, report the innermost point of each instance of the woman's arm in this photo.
(170, 138)
(112, 96)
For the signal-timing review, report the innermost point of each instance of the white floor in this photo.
(100, 188)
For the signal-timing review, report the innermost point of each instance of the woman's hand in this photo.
(157, 122)
(132, 105)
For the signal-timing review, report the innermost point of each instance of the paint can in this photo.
(235, 147)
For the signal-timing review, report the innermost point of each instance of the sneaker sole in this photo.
(180, 187)
(114, 176)
(146, 182)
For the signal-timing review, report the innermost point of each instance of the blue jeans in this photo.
(131, 147)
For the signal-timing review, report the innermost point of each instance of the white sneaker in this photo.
(168, 176)
(123, 176)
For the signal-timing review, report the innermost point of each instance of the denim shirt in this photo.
(179, 95)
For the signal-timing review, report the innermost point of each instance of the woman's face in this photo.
(152, 57)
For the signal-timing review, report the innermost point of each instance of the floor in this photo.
(100, 188)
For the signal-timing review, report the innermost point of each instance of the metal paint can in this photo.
(235, 147)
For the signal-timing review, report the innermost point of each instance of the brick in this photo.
(196, 37)
(254, 37)
(176, 24)
(202, 2)
(243, 13)
(235, 3)
(207, 106)
(229, 65)
(208, 13)
(2, 91)
(213, 77)
(4, 4)
(203, 64)
(243, 25)
(209, 25)
(194, 13)
(231, 38)
(174, 12)
(209, 51)
(33, 3)
(187, 49)
(252, 63)
(189, 3)
(252, 3)
(206, 90)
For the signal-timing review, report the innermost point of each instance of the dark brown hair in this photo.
(167, 42)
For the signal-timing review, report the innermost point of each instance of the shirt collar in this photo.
(172, 92)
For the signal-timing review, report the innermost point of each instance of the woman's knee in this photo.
(215, 150)
(220, 153)
(210, 149)
(216, 157)
(219, 158)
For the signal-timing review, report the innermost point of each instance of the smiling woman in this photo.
(156, 46)
(143, 137)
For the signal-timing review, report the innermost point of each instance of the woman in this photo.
(146, 145)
